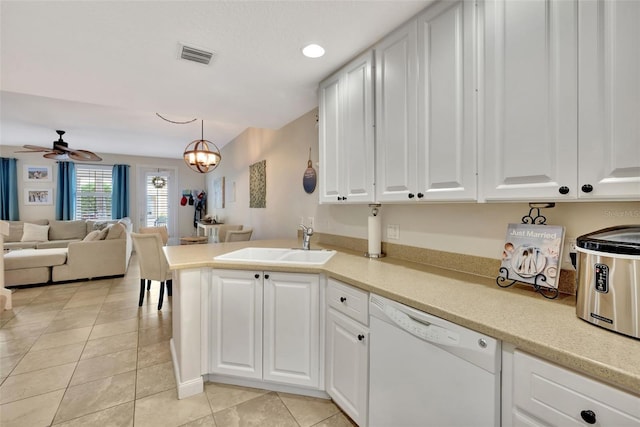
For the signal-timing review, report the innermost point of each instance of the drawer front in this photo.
(348, 300)
(561, 397)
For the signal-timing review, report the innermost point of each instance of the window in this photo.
(93, 192)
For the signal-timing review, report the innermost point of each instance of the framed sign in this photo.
(37, 173)
(38, 196)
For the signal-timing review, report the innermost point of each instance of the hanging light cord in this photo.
(174, 122)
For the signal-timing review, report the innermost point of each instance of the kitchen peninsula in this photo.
(519, 317)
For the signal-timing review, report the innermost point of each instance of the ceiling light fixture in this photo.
(201, 155)
(313, 51)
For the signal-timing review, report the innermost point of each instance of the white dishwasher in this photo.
(426, 371)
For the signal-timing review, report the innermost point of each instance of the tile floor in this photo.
(84, 354)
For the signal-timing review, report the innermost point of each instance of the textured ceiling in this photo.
(101, 69)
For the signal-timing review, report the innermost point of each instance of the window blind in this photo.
(93, 192)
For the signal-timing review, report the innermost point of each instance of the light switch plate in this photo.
(393, 231)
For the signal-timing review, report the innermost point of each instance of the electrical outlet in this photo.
(393, 231)
(569, 248)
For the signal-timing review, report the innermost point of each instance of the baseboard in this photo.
(245, 382)
(185, 388)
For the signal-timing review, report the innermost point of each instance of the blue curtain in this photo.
(66, 194)
(120, 196)
(9, 189)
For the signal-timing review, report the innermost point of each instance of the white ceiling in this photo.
(100, 70)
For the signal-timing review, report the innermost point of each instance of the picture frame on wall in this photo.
(38, 196)
(39, 173)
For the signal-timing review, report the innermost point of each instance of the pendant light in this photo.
(201, 155)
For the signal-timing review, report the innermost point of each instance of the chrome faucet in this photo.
(307, 232)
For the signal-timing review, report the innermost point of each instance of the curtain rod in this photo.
(90, 164)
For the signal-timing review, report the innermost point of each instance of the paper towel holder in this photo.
(374, 211)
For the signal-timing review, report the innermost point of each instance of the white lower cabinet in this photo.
(545, 394)
(236, 323)
(291, 329)
(347, 351)
(266, 326)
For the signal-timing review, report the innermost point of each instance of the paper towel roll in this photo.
(375, 235)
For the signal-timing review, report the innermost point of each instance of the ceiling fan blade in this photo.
(36, 148)
(84, 156)
(56, 156)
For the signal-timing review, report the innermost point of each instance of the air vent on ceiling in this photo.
(190, 53)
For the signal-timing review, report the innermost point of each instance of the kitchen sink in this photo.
(278, 256)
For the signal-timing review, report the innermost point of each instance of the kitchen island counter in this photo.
(546, 328)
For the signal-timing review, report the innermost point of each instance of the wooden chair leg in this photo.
(161, 295)
(170, 287)
(142, 283)
(149, 284)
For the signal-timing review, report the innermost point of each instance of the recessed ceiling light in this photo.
(313, 51)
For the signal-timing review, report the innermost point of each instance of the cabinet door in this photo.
(292, 328)
(330, 137)
(609, 99)
(559, 397)
(358, 144)
(236, 323)
(529, 100)
(446, 102)
(396, 108)
(347, 361)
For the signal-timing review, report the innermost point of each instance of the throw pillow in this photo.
(103, 233)
(94, 235)
(35, 233)
(100, 225)
(116, 231)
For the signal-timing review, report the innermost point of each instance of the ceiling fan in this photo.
(61, 151)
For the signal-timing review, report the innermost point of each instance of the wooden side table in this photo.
(193, 240)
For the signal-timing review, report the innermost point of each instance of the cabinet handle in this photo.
(361, 337)
(587, 188)
(257, 276)
(420, 195)
(343, 299)
(411, 195)
(339, 198)
(563, 190)
(588, 416)
(266, 276)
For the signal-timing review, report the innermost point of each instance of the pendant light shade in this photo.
(201, 155)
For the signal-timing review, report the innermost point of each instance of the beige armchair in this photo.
(223, 229)
(153, 264)
(238, 235)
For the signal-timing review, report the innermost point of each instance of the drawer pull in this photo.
(343, 299)
(588, 416)
(360, 337)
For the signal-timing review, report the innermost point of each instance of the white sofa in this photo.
(74, 250)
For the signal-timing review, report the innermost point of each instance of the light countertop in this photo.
(517, 315)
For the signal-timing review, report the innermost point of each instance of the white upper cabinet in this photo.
(609, 94)
(346, 134)
(396, 110)
(446, 102)
(528, 100)
(425, 99)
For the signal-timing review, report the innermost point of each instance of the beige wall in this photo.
(286, 152)
(468, 228)
(186, 178)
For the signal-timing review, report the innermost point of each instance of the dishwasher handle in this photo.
(421, 329)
